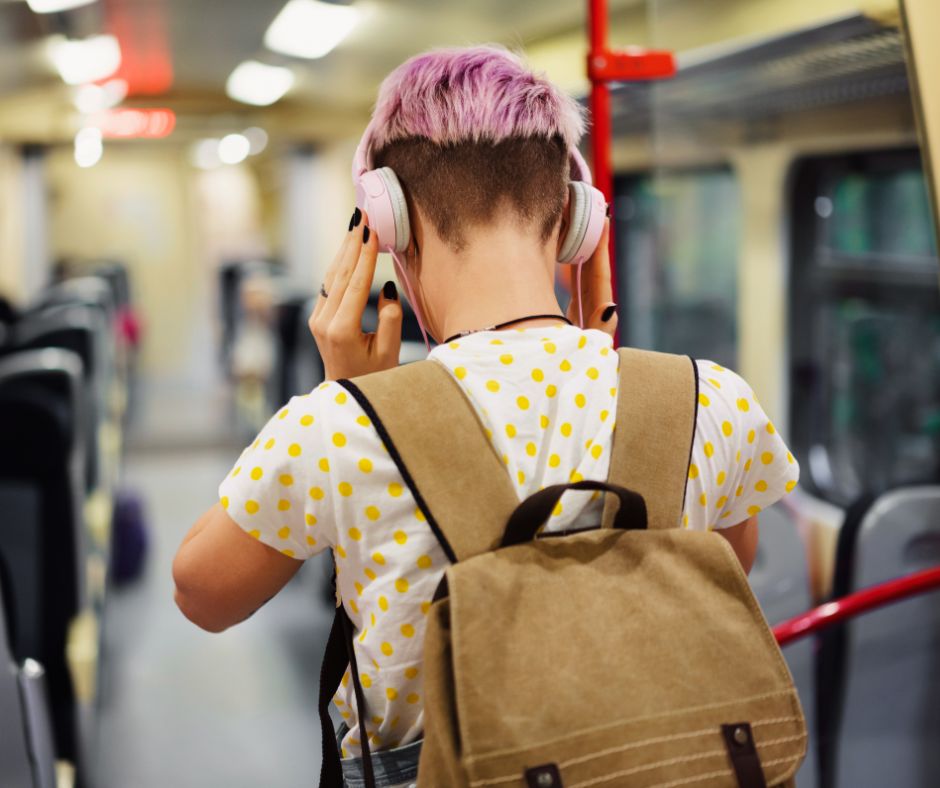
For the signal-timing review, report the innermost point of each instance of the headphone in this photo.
(380, 195)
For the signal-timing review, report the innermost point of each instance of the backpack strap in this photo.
(433, 434)
(657, 404)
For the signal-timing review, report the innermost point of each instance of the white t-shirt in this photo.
(318, 476)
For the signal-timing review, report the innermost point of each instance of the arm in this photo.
(743, 540)
(223, 575)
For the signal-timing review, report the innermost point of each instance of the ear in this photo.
(565, 222)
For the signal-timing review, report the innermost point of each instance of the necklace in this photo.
(507, 324)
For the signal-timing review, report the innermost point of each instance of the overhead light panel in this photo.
(234, 148)
(309, 28)
(85, 60)
(88, 147)
(54, 6)
(257, 83)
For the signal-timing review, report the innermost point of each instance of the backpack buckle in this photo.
(544, 776)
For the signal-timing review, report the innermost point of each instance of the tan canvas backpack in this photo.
(633, 654)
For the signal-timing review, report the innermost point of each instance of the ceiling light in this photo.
(234, 148)
(54, 6)
(88, 147)
(256, 83)
(86, 60)
(309, 28)
(90, 99)
(204, 154)
(257, 139)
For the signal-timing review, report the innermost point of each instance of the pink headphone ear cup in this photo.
(379, 194)
(588, 213)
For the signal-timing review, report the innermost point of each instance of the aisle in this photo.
(185, 709)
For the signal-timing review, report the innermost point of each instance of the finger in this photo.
(604, 318)
(344, 271)
(388, 333)
(595, 278)
(349, 314)
(335, 263)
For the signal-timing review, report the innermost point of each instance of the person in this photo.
(480, 145)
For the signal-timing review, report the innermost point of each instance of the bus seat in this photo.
(780, 581)
(886, 722)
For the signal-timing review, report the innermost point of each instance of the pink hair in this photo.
(470, 94)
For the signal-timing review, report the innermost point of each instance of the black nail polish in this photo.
(352, 220)
(365, 234)
(608, 313)
(608, 210)
(357, 217)
(390, 291)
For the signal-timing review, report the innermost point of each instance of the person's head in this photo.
(480, 145)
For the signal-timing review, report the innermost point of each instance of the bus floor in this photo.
(183, 708)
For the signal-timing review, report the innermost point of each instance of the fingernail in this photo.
(390, 291)
(608, 210)
(365, 234)
(608, 313)
(352, 220)
(357, 217)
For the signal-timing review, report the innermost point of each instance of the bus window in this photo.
(677, 242)
(865, 325)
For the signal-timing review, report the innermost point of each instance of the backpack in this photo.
(633, 654)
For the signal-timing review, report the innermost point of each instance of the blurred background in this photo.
(174, 180)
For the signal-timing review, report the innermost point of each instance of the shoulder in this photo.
(727, 404)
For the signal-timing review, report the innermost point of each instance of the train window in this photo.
(865, 325)
(677, 242)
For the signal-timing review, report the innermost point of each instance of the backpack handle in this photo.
(532, 513)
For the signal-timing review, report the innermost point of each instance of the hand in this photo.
(336, 322)
(596, 293)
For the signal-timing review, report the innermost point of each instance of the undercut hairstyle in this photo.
(471, 132)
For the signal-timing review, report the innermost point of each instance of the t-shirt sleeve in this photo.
(279, 490)
(740, 463)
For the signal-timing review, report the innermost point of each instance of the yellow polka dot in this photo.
(521, 476)
(252, 507)
(604, 415)
(715, 383)
(789, 458)
(256, 473)
(737, 493)
(424, 562)
(580, 400)
(341, 398)
(613, 391)
(747, 465)
(454, 345)
(551, 390)
(709, 450)
(703, 499)
(557, 510)
(522, 403)
(339, 439)
(549, 347)
(425, 607)
(744, 405)
(284, 532)
(767, 458)
(310, 519)
(544, 421)
(345, 489)
(531, 449)
(605, 351)
(582, 342)
(511, 430)
(413, 697)
(554, 461)
(363, 421)
(401, 585)
(770, 428)
(355, 534)
(752, 510)
(574, 476)
(359, 590)
(737, 456)
(254, 533)
(720, 479)
(378, 558)
(391, 693)
(717, 368)
(703, 400)
(378, 720)
(419, 515)
(395, 489)
(693, 471)
(726, 429)
(596, 451)
(286, 479)
(370, 573)
(790, 485)
(283, 414)
(725, 516)
(410, 673)
(537, 375)
(306, 421)
(721, 502)
(365, 680)
(316, 493)
(383, 603)
(224, 502)
(506, 358)
(592, 373)
(566, 429)
(492, 385)
(283, 505)
(324, 465)
(751, 435)
(373, 513)
(288, 553)
(460, 372)
(365, 465)
(685, 521)
(237, 471)
(387, 649)
(565, 366)
(496, 342)
(341, 552)
(269, 444)
(761, 486)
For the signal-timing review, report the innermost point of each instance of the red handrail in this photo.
(812, 621)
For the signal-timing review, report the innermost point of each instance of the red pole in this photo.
(855, 604)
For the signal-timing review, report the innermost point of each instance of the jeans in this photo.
(394, 768)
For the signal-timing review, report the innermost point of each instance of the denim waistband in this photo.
(392, 768)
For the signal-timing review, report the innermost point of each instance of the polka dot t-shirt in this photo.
(318, 477)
